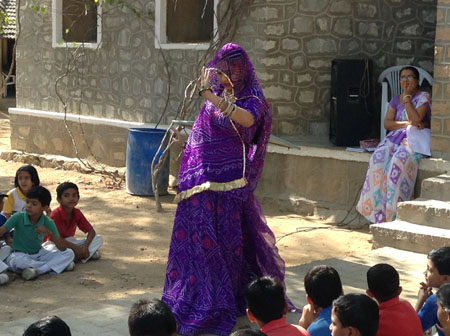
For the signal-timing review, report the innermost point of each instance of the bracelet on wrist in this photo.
(221, 100)
(201, 89)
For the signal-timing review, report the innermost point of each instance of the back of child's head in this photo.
(151, 318)
(443, 296)
(383, 281)
(441, 259)
(265, 299)
(323, 285)
(358, 311)
(41, 194)
(64, 186)
(48, 326)
(247, 332)
(33, 174)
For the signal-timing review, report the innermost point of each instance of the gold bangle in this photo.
(200, 90)
(221, 100)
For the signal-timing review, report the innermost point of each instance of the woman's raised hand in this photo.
(203, 81)
(410, 88)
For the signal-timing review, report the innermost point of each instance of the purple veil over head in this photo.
(235, 63)
(214, 151)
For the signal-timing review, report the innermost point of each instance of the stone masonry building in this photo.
(121, 81)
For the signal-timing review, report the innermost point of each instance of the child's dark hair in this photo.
(64, 186)
(33, 173)
(265, 299)
(151, 317)
(247, 332)
(383, 281)
(443, 296)
(323, 285)
(358, 311)
(441, 259)
(48, 326)
(41, 194)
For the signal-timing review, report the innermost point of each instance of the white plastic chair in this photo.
(11, 81)
(391, 77)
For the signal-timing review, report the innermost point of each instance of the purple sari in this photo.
(220, 240)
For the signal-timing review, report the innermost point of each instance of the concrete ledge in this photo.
(410, 237)
(56, 162)
(323, 180)
(428, 212)
(80, 118)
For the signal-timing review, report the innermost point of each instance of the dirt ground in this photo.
(136, 242)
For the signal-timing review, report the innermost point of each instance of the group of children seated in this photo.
(34, 243)
(328, 312)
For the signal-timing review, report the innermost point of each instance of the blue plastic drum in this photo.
(142, 146)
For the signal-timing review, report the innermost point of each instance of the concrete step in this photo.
(426, 212)
(409, 237)
(437, 188)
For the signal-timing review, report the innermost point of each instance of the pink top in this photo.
(280, 327)
(398, 318)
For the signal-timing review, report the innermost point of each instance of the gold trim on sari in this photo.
(214, 186)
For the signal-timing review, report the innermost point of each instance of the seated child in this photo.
(30, 227)
(443, 312)
(436, 274)
(355, 315)
(267, 306)
(396, 317)
(48, 326)
(151, 317)
(5, 249)
(322, 285)
(26, 178)
(67, 218)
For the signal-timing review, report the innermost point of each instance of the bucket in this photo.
(142, 145)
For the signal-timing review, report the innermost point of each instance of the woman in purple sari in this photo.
(220, 240)
(393, 166)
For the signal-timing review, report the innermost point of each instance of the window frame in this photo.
(160, 29)
(57, 35)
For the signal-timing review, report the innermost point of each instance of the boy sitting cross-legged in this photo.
(267, 306)
(30, 227)
(67, 218)
(436, 274)
(397, 317)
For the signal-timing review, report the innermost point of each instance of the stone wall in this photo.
(290, 42)
(440, 123)
(293, 42)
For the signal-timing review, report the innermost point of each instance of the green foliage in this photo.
(39, 9)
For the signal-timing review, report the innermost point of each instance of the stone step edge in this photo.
(398, 225)
(426, 201)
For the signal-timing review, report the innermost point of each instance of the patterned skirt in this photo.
(390, 179)
(219, 244)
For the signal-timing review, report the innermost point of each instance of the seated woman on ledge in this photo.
(393, 166)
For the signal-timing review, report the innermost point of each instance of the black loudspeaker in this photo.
(351, 101)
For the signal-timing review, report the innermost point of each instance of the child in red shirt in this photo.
(267, 306)
(67, 218)
(397, 317)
